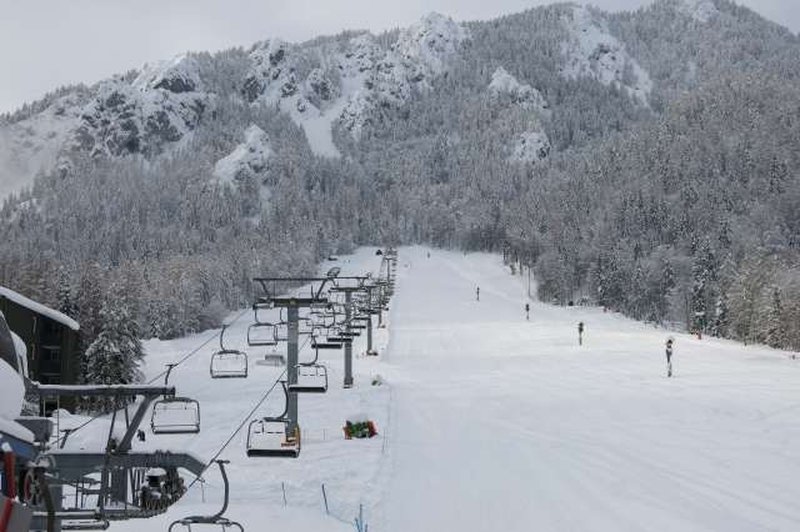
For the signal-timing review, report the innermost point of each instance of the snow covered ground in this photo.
(489, 422)
(350, 470)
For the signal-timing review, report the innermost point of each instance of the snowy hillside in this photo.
(350, 85)
(32, 146)
(490, 422)
(531, 147)
(146, 115)
(593, 52)
(606, 148)
(700, 10)
(161, 106)
(252, 156)
(341, 89)
(504, 84)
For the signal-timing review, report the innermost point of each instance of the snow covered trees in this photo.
(114, 356)
(636, 207)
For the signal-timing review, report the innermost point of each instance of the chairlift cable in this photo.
(244, 422)
(151, 381)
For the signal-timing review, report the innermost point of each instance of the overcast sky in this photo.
(47, 43)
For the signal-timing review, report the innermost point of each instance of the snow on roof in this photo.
(54, 315)
(15, 430)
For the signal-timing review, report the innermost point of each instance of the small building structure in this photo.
(51, 339)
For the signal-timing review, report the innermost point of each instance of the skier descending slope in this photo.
(670, 341)
(477, 293)
(527, 311)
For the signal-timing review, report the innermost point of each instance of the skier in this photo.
(580, 333)
(670, 341)
(527, 311)
(478, 293)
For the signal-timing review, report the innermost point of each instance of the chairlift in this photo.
(305, 326)
(175, 415)
(281, 331)
(318, 318)
(216, 520)
(260, 333)
(330, 320)
(316, 344)
(312, 377)
(263, 302)
(268, 436)
(319, 306)
(228, 363)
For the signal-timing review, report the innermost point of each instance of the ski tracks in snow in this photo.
(502, 424)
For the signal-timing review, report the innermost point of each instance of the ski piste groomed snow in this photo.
(489, 422)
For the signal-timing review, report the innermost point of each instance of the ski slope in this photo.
(489, 422)
(503, 424)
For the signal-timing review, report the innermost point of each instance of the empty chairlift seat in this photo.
(228, 363)
(260, 333)
(272, 436)
(217, 520)
(305, 326)
(317, 318)
(175, 415)
(317, 342)
(312, 377)
(336, 335)
(267, 438)
(281, 331)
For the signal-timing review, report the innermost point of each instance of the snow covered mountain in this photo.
(353, 84)
(592, 51)
(162, 105)
(250, 157)
(323, 88)
(602, 146)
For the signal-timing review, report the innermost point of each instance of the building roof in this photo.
(38, 308)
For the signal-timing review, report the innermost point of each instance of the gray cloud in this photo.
(48, 43)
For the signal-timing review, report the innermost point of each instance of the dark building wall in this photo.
(52, 346)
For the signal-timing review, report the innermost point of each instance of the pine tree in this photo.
(66, 300)
(773, 329)
(88, 303)
(114, 356)
(703, 278)
(720, 325)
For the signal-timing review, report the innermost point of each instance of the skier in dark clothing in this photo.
(580, 333)
(527, 311)
(478, 293)
(670, 341)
